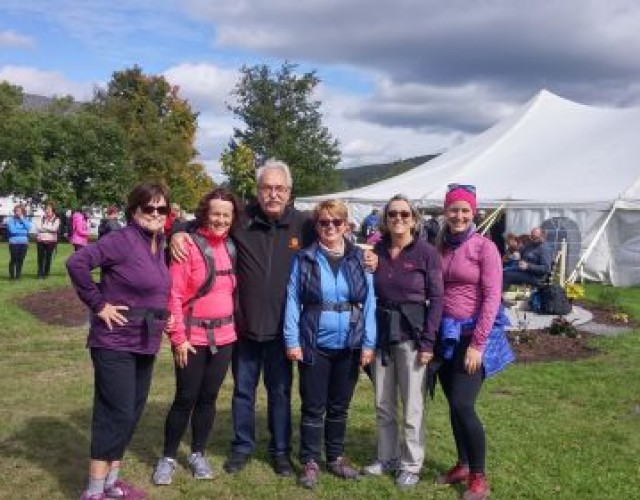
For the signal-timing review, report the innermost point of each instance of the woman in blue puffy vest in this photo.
(330, 330)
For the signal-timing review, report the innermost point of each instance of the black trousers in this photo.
(197, 387)
(326, 389)
(45, 256)
(122, 381)
(17, 253)
(461, 390)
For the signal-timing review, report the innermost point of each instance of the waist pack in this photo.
(550, 299)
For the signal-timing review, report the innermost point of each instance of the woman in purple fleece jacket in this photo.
(472, 274)
(128, 316)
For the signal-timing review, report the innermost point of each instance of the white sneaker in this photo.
(163, 474)
(380, 467)
(200, 466)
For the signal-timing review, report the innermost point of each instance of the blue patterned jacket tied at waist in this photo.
(497, 352)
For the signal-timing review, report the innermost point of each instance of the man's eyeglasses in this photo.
(328, 222)
(278, 189)
(469, 188)
(149, 209)
(392, 214)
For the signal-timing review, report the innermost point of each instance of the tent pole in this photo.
(486, 224)
(574, 274)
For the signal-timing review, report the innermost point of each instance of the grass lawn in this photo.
(554, 430)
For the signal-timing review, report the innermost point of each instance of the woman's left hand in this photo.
(370, 261)
(424, 358)
(366, 357)
(472, 360)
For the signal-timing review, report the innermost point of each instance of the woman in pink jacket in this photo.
(79, 230)
(202, 334)
(472, 275)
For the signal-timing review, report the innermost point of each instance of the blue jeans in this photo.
(249, 358)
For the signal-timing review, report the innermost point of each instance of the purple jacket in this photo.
(415, 275)
(130, 275)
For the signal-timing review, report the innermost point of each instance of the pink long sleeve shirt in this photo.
(473, 285)
(187, 277)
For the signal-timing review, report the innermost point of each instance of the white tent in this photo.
(552, 158)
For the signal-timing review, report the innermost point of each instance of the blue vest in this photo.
(310, 296)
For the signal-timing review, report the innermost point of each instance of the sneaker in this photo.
(310, 475)
(342, 468)
(477, 487)
(380, 467)
(282, 465)
(236, 462)
(121, 489)
(406, 479)
(457, 474)
(200, 466)
(97, 496)
(163, 474)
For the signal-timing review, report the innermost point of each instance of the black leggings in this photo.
(17, 253)
(197, 387)
(45, 255)
(461, 390)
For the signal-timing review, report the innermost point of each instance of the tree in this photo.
(160, 127)
(282, 120)
(239, 165)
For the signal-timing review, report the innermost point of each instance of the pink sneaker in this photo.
(122, 489)
(477, 487)
(457, 474)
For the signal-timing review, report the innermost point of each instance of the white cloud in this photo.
(46, 83)
(10, 38)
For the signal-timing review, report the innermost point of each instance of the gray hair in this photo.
(274, 164)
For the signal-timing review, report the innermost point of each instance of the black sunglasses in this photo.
(149, 209)
(392, 214)
(327, 222)
(469, 188)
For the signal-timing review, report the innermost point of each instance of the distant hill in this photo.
(33, 102)
(356, 177)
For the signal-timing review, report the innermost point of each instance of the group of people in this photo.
(261, 287)
(528, 259)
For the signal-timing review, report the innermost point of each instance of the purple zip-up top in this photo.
(131, 276)
(473, 285)
(415, 275)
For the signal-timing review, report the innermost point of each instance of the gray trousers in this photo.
(405, 377)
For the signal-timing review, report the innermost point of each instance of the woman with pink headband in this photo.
(472, 275)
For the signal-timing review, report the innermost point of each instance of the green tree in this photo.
(160, 128)
(282, 120)
(239, 165)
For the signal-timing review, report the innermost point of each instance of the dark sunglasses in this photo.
(392, 214)
(327, 222)
(149, 209)
(469, 188)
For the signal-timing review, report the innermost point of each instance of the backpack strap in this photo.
(210, 276)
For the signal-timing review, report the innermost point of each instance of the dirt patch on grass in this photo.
(59, 307)
(539, 345)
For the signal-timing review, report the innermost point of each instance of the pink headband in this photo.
(460, 194)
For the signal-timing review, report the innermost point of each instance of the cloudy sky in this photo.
(399, 78)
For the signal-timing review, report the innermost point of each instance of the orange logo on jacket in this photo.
(294, 243)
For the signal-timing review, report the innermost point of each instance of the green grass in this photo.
(555, 430)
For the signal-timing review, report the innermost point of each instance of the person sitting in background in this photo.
(47, 238)
(511, 256)
(110, 222)
(534, 265)
(18, 228)
(370, 223)
(79, 230)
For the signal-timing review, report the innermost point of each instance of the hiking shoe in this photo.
(121, 489)
(236, 462)
(163, 474)
(282, 465)
(380, 467)
(457, 474)
(200, 466)
(310, 475)
(406, 479)
(477, 487)
(342, 468)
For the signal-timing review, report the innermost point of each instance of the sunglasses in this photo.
(392, 214)
(149, 209)
(328, 222)
(469, 188)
